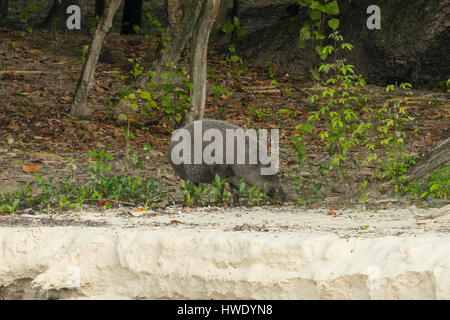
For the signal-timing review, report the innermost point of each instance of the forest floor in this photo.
(38, 76)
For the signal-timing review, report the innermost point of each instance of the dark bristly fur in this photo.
(204, 173)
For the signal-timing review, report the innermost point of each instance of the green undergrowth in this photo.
(215, 194)
(51, 194)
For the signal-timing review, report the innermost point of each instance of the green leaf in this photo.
(151, 104)
(332, 8)
(234, 58)
(305, 33)
(306, 127)
(347, 46)
(240, 31)
(165, 101)
(189, 85)
(324, 67)
(134, 106)
(32, 7)
(315, 14)
(145, 95)
(318, 35)
(153, 86)
(321, 52)
(333, 23)
(109, 156)
(301, 44)
(165, 75)
(316, 5)
(228, 27)
(405, 85)
(390, 88)
(435, 187)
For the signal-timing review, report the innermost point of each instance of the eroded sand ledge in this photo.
(148, 257)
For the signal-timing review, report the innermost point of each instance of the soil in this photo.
(38, 75)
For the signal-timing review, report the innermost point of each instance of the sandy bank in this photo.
(226, 254)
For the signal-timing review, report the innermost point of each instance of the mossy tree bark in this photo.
(79, 107)
(57, 13)
(220, 19)
(411, 46)
(132, 14)
(99, 7)
(4, 6)
(183, 16)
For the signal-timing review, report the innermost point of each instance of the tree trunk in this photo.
(439, 155)
(57, 13)
(411, 46)
(234, 13)
(220, 19)
(79, 107)
(4, 5)
(132, 13)
(99, 7)
(182, 20)
(235, 10)
(195, 17)
(198, 73)
(183, 16)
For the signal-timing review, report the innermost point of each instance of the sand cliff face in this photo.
(153, 258)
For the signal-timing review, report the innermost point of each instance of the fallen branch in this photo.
(23, 71)
(434, 158)
(432, 214)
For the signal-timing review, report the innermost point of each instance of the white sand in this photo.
(227, 254)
